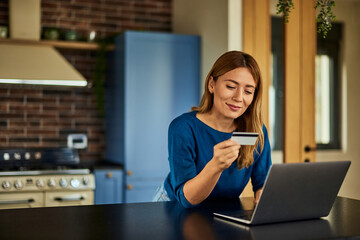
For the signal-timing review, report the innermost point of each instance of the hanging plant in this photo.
(284, 7)
(324, 17)
(100, 71)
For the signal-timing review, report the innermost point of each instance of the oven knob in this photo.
(18, 184)
(75, 183)
(39, 183)
(51, 183)
(6, 185)
(63, 183)
(86, 181)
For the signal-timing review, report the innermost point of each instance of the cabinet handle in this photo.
(129, 187)
(129, 173)
(109, 175)
(25, 201)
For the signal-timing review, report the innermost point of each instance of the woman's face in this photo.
(233, 92)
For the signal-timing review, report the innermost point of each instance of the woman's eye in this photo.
(230, 87)
(248, 92)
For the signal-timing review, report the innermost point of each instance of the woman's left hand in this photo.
(257, 195)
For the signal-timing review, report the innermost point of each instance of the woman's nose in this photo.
(238, 95)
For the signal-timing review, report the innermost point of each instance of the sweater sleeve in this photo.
(182, 155)
(262, 163)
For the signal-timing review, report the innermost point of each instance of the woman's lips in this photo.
(233, 107)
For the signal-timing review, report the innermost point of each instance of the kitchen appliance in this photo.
(44, 178)
(159, 74)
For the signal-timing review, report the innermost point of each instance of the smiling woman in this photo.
(201, 154)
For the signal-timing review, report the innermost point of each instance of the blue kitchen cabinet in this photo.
(152, 78)
(108, 186)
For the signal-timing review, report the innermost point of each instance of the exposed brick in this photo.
(3, 90)
(48, 108)
(87, 107)
(45, 99)
(35, 145)
(49, 22)
(25, 91)
(99, 123)
(3, 140)
(59, 140)
(21, 123)
(18, 99)
(16, 145)
(55, 92)
(94, 132)
(47, 132)
(95, 148)
(72, 99)
(3, 107)
(64, 123)
(23, 139)
(66, 132)
(3, 123)
(27, 107)
(11, 115)
(84, 156)
(12, 132)
(48, 5)
(41, 115)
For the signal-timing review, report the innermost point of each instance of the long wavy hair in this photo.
(251, 120)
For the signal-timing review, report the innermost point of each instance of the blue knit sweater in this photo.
(190, 146)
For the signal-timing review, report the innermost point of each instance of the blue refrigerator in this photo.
(152, 78)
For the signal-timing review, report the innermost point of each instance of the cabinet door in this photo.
(161, 82)
(141, 191)
(109, 186)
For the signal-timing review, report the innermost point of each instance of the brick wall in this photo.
(34, 116)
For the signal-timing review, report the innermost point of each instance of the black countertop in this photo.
(168, 220)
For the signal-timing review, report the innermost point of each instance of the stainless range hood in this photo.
(33, 64)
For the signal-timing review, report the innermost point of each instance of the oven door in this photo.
(21, 200)
(73, 198)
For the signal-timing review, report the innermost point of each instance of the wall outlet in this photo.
(77, 141)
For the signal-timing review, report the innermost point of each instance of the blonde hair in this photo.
(251, 120)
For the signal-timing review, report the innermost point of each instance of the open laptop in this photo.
(294, 191)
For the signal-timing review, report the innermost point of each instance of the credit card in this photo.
(245, 138)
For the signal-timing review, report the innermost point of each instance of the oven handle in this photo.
(69, 198)
(24, 201)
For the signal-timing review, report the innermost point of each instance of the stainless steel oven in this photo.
(36, 183)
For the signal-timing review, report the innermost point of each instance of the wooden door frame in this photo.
(257, 42)
(299, 82)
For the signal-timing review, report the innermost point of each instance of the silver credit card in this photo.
(245, 138)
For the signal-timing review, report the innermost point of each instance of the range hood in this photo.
(36, 64)
(31, 63)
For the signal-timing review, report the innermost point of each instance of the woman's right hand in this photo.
(225, 153)
(200, 187)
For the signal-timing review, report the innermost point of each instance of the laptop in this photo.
(294, 191)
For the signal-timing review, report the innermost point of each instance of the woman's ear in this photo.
(211, 85)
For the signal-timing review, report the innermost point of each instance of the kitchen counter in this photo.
(168, 220)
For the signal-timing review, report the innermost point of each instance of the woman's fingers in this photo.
(225, 153)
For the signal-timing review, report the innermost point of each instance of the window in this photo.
(276, 94)
(327, 116)
(327, 122)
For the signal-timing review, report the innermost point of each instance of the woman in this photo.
(201, 154)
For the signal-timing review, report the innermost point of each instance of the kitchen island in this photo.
(168, 220)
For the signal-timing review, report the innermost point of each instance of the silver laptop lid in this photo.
(297, 191)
